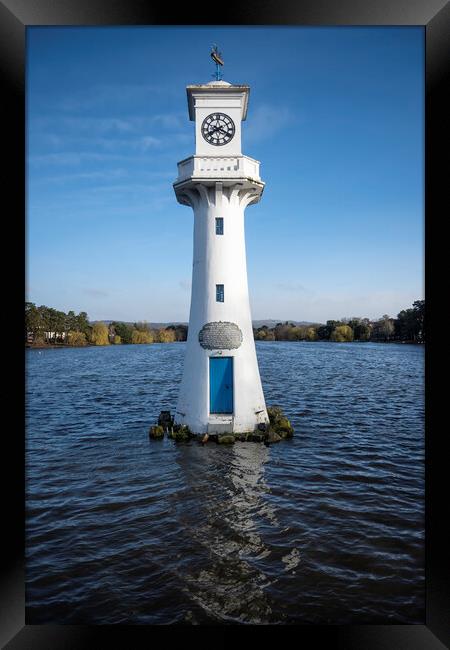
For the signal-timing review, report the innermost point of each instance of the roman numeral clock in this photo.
(221, 387)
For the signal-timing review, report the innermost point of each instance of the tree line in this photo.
(48, 326)
(408, 326)
(45, 325)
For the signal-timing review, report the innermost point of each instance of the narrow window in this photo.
(219, 293)
(219, 225)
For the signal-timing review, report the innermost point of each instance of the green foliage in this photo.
(324, 332)
(53, 323)
(295, 333)
(46, 323)
(164, 335)
(181, 332)
(142, 326)
(282, 331)
(33, 319)
(141, 336)
(264, 334)
(362, 328)
(383, 328)
(342, 334)
(75, 338)
(311, 334)
(99, 334)
(124, 331)
(286, 332)
(410, 323)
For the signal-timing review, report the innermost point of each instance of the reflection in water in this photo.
(230, 586)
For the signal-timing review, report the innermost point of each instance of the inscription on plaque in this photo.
(220, 335)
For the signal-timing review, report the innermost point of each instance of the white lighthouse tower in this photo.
(221, 388)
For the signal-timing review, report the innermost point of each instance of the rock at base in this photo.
(256, 437)
(181, 433)
(225, 440)
(279, 428)
(156, 432)
(278, 422)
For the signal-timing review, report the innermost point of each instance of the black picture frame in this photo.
(15, 17)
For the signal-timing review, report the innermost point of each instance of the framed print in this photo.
(213, 539)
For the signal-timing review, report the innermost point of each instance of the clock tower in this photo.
(221, 388)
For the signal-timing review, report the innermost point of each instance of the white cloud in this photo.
(171, 120)
(97, 124)
(108, 175)
(72, 158)
(150, 141)
(118, 95)
(266, 120)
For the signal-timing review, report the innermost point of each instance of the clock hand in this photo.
(217, 128)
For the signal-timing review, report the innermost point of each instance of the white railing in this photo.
(218, 166)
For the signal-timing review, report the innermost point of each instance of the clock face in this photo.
(218, 129)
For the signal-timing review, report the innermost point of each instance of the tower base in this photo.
(222, 431)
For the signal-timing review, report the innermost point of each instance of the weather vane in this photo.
(217, 58)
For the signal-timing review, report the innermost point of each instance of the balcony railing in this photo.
(218, 166)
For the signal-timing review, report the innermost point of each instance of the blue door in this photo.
(221, 384)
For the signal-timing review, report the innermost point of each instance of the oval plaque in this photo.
(220, 335)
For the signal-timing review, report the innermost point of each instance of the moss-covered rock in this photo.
(180, 436)
(225, 439)
(283, 424)
(180, 433)
(278, 422)
(274, 437)
(256, 437)
(156, 432)
(274, 413)
(180, 427)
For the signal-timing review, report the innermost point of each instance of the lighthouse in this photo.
(221, 389)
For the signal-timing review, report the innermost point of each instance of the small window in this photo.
(219, 293)
(219, 225)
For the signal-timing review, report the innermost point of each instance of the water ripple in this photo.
(326, 528)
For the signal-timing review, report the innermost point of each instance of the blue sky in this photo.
(335, 116)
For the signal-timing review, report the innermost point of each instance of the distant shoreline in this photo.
(45, 346)
(46, 327)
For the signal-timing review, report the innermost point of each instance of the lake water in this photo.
(325, 528)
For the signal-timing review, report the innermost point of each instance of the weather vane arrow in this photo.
(217, 58)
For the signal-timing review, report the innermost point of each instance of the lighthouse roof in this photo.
(215, 87)
(218, 82)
